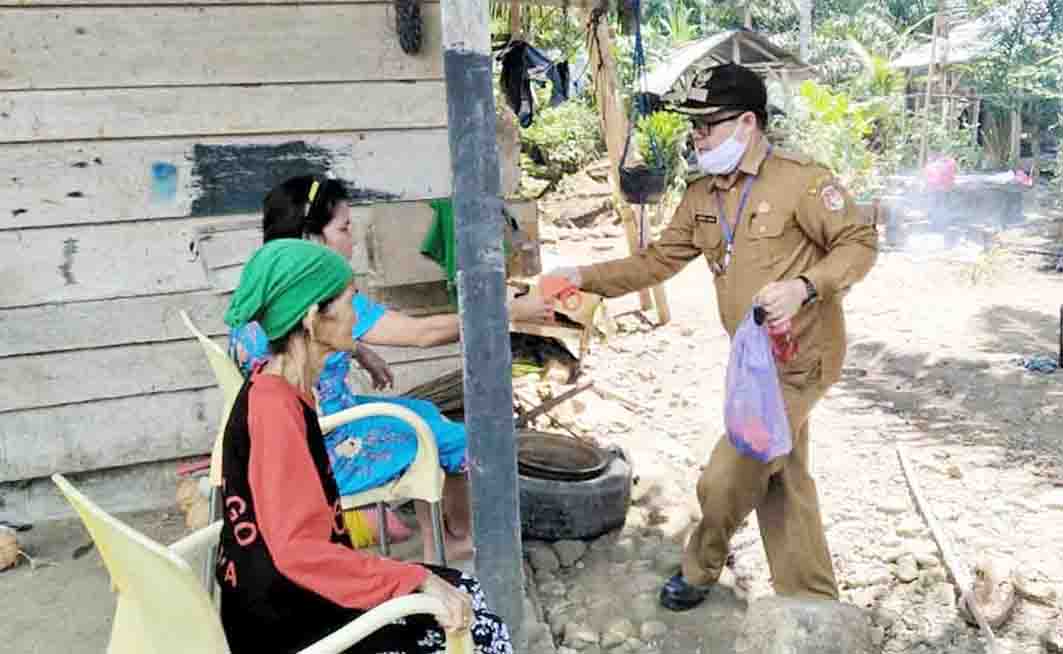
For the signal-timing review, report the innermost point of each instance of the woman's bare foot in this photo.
(456, 549)
(456, 505)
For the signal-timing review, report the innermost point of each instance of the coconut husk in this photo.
(8, 548)
(994, 591)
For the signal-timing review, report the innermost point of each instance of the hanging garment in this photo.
(522, 64)
(439, 244)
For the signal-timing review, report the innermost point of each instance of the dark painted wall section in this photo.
(232, 179)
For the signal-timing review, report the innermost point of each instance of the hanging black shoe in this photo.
(680, 595)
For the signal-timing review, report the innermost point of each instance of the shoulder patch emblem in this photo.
(832, 198)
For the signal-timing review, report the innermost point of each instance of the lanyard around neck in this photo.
(725, 224)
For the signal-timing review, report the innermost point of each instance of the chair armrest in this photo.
(423, 480)
(198, 542)
(400, 607)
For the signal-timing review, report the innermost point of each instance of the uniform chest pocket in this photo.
(770, 237)
(767, 226)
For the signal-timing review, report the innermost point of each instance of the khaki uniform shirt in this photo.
(797, 221)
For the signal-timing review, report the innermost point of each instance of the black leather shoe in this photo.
(680, 595)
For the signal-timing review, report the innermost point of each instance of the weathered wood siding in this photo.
(126, 128)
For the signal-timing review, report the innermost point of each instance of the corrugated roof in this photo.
(967, 42)
(673, 77)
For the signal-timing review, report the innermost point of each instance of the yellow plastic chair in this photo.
(230, 380)
(163, 609)
(423, 480)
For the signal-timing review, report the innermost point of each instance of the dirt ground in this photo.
(934, 340)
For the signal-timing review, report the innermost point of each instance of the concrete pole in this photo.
(481, 304)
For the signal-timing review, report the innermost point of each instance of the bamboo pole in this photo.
(516, 25)
(952, 563)
(615, 127)
(929, 90)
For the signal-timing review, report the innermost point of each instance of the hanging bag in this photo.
(754, 411)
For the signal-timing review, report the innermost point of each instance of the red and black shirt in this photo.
(287, 570)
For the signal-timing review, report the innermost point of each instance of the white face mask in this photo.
(725, 157)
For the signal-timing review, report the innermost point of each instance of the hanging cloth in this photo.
(521, 65)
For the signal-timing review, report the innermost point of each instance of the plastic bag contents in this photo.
(783, 343)
(754, 413)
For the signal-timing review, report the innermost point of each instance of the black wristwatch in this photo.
(813, 294)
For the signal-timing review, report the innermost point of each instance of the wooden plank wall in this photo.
(125, 127)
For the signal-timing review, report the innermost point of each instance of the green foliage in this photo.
(679, 24)
(563, 138)
(832, 130)
(661, 136)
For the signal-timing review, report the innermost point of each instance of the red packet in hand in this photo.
(562, 290)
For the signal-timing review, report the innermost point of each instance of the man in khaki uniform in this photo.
(779, 231)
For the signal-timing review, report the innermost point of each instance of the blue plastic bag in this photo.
(754, 412)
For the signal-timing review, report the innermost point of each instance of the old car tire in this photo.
(554, 510)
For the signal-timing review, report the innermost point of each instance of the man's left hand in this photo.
(782, 300)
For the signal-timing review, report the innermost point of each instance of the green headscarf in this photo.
(280, 283)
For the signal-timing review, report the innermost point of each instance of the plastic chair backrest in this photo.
(423, 480)
(162, 607)
(230, 380)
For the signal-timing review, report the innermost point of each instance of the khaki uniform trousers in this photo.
(782, 493)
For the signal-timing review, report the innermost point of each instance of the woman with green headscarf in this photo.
(288, 572)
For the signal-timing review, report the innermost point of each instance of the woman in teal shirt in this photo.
(370, 452)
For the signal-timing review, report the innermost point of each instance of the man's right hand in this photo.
(571, 273)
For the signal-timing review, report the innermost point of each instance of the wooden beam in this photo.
(162, 112)
(615, 127)
(109, 47)
(75, 182)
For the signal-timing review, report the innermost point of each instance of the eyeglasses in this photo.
(704, 126)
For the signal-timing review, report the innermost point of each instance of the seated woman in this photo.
(367, 453)
(288, 573)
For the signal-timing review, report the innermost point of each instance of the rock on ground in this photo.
(569, 551)
(777, 625)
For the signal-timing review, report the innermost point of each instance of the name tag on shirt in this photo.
(705, 218)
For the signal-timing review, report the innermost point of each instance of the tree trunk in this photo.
(805, 7)
(923, 148)
(946, 90)
(1015, 143)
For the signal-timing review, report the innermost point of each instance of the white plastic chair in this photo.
(163, 609)
(423, 480)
